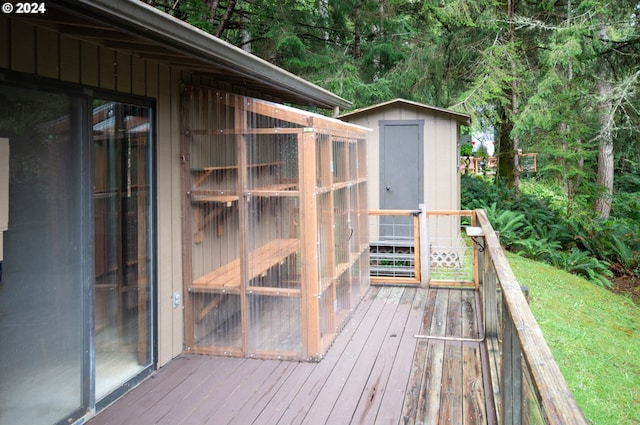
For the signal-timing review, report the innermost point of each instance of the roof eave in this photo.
(141, 19)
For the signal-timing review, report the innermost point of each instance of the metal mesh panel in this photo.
(392, 250)
(450, 250)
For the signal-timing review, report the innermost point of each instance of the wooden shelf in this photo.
(284, 189)
(226, 279)
(235, 167)
(213, 198)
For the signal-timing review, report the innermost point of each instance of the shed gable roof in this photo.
(135, 27)
(464, 119)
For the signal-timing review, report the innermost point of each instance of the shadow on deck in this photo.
(377, 371)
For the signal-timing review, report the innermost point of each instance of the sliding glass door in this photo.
(45, 269)
(75, 252)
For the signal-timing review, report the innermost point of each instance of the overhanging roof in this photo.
(135, 27)
(458, 116)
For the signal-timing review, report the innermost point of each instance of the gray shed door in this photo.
(401, 164)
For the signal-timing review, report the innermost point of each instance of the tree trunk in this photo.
(605, 147)
(505, 149)
(605, 151)
(226, 18)
(508, 155)
(357, 35)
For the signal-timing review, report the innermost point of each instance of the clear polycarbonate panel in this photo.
(328, 323)
(214, 194)
(122, 204)
(272, 236)
(363, 216)
(324, 161)
(343, 304)
(275, 325)
(361, 165)
(44, 272)
(340, 161)
(326, 259)
(353, 224)
(343, 231)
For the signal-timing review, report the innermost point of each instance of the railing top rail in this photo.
(462, 213)
(394, 212)
(557, 402)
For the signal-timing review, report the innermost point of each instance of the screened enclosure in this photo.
(275, 226)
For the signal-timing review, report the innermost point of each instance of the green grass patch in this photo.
(594, 335)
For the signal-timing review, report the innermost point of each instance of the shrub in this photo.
(540, 225)
(582, 263)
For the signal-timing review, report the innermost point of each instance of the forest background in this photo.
(560, 78)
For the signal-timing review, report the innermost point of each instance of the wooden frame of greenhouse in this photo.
(275, 240)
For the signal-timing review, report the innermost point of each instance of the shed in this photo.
(413, 154)
(412, 163)
(161, 199)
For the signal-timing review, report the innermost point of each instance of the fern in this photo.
(582, 263)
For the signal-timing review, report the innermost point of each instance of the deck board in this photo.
(376, 372)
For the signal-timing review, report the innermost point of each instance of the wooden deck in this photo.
(377, 371)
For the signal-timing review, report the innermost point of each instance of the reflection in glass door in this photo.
(44, 266)
(121, 141)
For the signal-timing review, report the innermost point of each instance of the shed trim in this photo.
(462, 118)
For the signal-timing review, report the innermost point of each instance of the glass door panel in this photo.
(43, 365)
(121, 135)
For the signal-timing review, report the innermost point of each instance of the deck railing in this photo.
(461, 249)
(528, 385)
(528, 163)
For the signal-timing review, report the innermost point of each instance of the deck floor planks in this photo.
(281, 400)
(375, 372)
(250, 386)
(391, 407)
(473, 393)
(430, 391)
(306, 373)
(144, 399)
(196, 394)
(413, 391)
(451, 394)
(336, 403)
(377, 385)
(332, 373)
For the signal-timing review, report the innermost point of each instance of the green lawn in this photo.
(594, 336)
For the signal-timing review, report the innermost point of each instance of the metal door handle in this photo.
(388, 188)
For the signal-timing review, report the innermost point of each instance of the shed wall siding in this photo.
(45, 53)
(441, 178)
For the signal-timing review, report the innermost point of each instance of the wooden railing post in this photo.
(490, 298)
(511, 374)
(425, 249)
